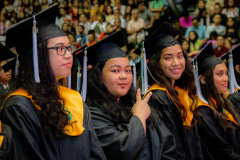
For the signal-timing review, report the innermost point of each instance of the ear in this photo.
(202, 79)
(237, 68)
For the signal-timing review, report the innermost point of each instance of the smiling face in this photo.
(5, 77)
(220, 77)
(61, 65)
(117, 76)
(172, 62)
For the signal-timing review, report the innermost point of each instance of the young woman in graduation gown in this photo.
(173, 90)
(119, 115)
(219, 122)
(48, 121)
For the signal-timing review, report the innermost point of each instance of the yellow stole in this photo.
(73, 106)
(186, 101)
(1, 136)
(228, 93)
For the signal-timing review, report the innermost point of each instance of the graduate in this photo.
(219, 122)
(234, 96)
(173, 91)
(48, 121)
(121, 119)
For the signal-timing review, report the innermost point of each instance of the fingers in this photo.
(147, 97)
(138, 95)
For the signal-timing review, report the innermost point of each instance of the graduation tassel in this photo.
(69, 81)
(78, 78)
(134, 76)
(35, 51)
(16, 66)
(144, 70)
(232, 79)
(197, 83)
(84, 82)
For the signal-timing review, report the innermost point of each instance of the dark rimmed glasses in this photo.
(61, 50)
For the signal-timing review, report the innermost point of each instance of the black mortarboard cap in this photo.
(235, 54)
(9, 65)
(206, 59)
(5, 53)
(162, 38)
(104, 50)
(20, 34)
(79, 53)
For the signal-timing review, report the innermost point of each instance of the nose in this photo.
(68, 54)
(123, 75)
(175, 62)
(225, 78)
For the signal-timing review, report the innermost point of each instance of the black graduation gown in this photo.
(32, 143)
(8, 149)
(188, 143)
(127, 141)
(222, 145)
(235, 100)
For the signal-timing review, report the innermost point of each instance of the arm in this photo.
(119, 141)
(214, 137)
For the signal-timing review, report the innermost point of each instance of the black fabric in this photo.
(235, 54)
(104, 49)
(162, 38)
(9, 65)
(8, 150)
(32, 143)
(20, 34)
(223, 145)
(188, 144)
(128, 140)
(235, 100)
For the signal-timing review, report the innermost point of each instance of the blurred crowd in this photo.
(88, 21)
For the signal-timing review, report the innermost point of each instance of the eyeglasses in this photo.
(61, 50)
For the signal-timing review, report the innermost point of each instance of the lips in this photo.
(225, 85)
(69, 64)
(123, 85)
(176, 70)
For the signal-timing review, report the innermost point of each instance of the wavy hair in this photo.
(45, 94)
(209, 91)
(98, 96)
(186, 82)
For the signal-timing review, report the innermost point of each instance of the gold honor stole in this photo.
(228, 94)
(1, 136)
(186, 101)
(73, 106)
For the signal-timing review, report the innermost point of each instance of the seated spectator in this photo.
(103, 7)
(231, 10)
(93, 16)
(195, 41)
(109, 14)
(186, 46)
(145, 14)
(134, 26)
(101, 24)
(81, 37)
(117, 25)
(19, 8)
(220, 49)
(200, 29)
(120, 6)
(84, 21)
(91, 38)
(8, 6)
(116, 13)
(231, 31)
(216, 26)
(86, 8)
(128, 16)
(186, 20)
(73, 12)
(157, 7)
(177, 25)
(21, 16)
(64, 17)
(204, 18)
(200, 8)
(36, 7)
(210, 5)
(4, 24)
(109, 30)
(27, 8)
(218, 9)
(44, 4)
(72, 40)
(65, 28)
(132, 3)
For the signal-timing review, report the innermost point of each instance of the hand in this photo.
(141, 108)
(149, 26)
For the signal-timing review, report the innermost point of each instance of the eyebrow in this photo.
(61, 44)
(169, 54)
(119, 66)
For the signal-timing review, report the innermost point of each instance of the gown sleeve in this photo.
(214, 137)
(119, 141)
(235, 100)
(24, 127)
(96, 151)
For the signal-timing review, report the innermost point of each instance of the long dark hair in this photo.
(98, 96)
(186, 82)
(196, 37)
(45, 94)
(209, 91)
